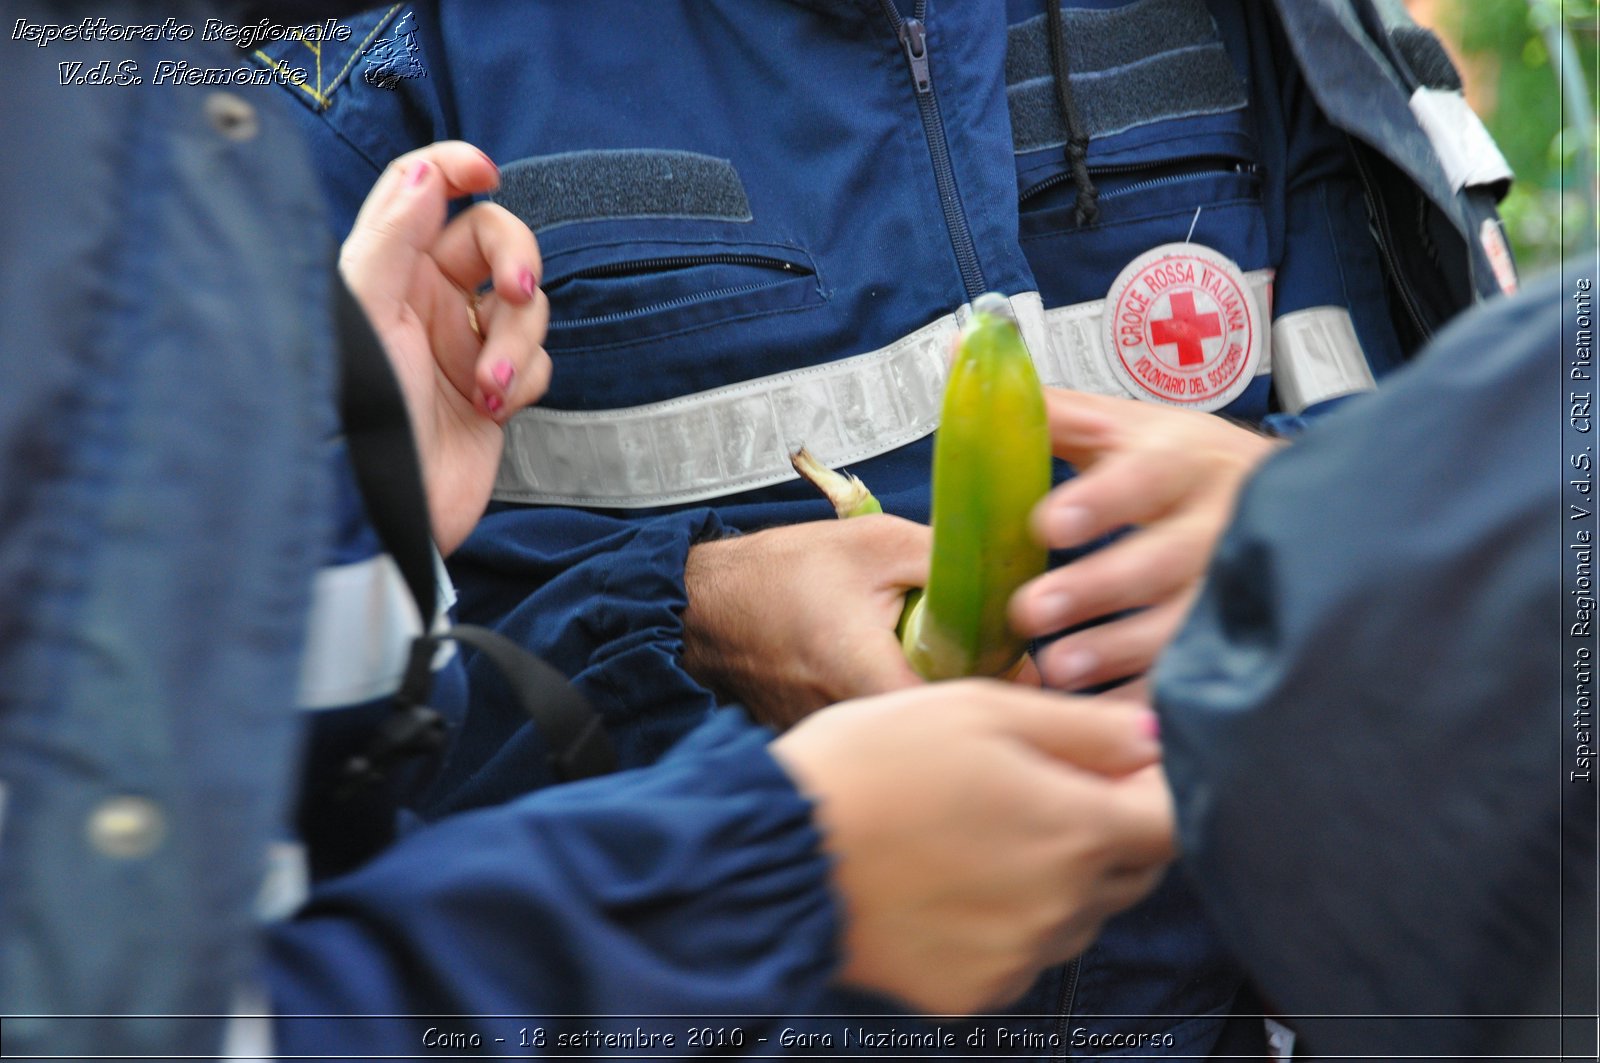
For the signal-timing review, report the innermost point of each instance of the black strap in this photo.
(1087, 210)
(382, 449)
(579, 747)
(388, 473)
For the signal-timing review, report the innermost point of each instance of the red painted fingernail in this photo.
(503, 373)
(420, 174)
(529, 282)
(1151, 726)
(493, 403)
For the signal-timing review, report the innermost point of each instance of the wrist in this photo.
(707, 585)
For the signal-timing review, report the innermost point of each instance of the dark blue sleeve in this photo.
(696, 887)
(599, 598)
(1363, 717)
(166, 390)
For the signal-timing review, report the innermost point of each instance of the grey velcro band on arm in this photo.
(551, 190)
(1180, 84)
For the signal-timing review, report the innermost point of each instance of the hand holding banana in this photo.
(991, 465)
(1173, 473)
(787, 620)
(842, 584)
(1172, 476)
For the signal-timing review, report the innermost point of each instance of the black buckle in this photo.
(410, 729)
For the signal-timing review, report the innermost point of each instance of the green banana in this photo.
(991, 466)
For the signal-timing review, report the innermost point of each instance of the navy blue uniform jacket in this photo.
(1379, 718)
(729, 192)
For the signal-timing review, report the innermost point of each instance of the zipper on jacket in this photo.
(658, 265)
(913, 35)
(634, 267)
(1064, 1015)
(652, 308)
(1383, 236)
(1160, 174)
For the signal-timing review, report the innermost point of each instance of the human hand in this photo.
(416, 278)
(980, 832)
(790, 619)
(1173, 473)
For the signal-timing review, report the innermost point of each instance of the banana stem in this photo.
(848, 494)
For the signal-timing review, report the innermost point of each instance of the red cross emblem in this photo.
(1180, 325)
(1185, 328)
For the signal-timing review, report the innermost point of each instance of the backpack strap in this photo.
(388, 473)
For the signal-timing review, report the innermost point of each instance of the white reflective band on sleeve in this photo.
(360, 631)
(1465, 148)
(248, 1036)
(285, 884)
(1316, 356)
(739, 437)
(1280, 1041)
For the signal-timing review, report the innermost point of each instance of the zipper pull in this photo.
(914, 39)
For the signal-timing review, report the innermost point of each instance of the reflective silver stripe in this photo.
(739, 437)
(360, 631)
(1067, 344)
(732, 438)
(1316, 357)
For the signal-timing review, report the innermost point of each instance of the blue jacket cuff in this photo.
(695, 888)
(601, 600)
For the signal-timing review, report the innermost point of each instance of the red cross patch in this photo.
(1499, 255)
(1181, 327)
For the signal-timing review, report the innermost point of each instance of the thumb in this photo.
(877, 665)
(1109, 739)
(400, 220)
(898, 550)
(405, 212)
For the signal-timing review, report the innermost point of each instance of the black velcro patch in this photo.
(1100, 40)
(551, 190)
(1180, 84)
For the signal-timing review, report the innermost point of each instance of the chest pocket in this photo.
(645, 252)
(1171, 152)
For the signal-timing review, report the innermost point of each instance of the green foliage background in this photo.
(1551, 205)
